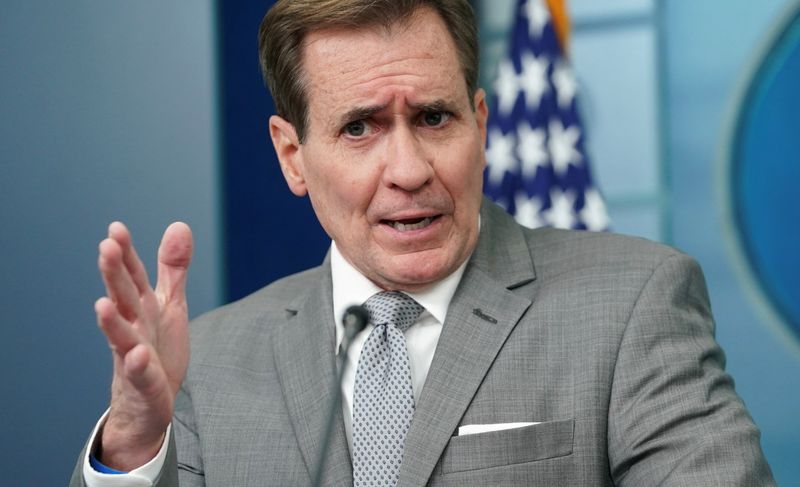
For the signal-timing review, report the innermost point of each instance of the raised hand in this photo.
(147, 332)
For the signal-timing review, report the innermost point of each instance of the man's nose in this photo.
(408, 165)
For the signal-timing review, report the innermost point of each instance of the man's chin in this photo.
(416, 271)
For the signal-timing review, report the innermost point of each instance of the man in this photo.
(541, 357)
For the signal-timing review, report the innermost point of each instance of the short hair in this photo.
(284, 27)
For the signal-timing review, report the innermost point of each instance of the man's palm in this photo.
(147, 330)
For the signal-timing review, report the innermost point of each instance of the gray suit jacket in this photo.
(606, 341)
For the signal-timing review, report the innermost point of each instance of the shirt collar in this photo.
(351, 287)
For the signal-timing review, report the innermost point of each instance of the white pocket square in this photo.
(471, 429)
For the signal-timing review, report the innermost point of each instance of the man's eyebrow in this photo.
(436, 106)
(360, 113)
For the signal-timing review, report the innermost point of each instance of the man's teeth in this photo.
(406, 227)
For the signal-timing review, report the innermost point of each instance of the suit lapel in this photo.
(305, 361)
(481, 315)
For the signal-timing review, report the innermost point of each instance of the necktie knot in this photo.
(393, 308)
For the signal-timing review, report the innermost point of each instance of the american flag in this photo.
(537, 165)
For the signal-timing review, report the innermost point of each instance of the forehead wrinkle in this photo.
(382, 69)
(348, 80)
(396, 74)
(397, 83)
(333, 48)
(337, 53)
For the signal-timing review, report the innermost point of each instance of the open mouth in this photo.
(410, 224)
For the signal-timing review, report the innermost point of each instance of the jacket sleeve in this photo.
(166, 476)
(186, 465)
(186, 444)
(674, 417)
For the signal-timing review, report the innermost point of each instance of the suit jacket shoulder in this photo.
(253, 317)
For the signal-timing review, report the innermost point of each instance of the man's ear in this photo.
(481, 111)
(287, 147)
(481, 116)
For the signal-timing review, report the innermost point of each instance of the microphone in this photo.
(355, 319)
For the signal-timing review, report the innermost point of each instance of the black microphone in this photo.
(355, 319)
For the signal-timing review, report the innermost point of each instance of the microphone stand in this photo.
(355, 319)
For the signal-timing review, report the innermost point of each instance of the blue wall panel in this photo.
(269, 233)
(107, 112)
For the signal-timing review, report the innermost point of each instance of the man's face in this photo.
(394, 154)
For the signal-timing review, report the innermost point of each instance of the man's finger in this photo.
(119, 232)
(120, 334)
(142, 371)
(118, 280)
(174, 257)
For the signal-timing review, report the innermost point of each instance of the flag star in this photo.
(561, 213)
(528, 209)
(537, 15)
(500, 155)
(506, 86)
(531, 149)
(594, 214)
(562, 146)
(566, 86)
(533, 79)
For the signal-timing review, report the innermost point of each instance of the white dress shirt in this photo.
(349, 287)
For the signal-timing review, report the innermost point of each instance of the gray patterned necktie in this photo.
(383, 401)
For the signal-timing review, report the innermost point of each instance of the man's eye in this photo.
(355, 129)
(434, 119)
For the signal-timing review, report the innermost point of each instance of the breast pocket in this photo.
(508, 447)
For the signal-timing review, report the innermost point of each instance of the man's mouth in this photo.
(410, 224)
